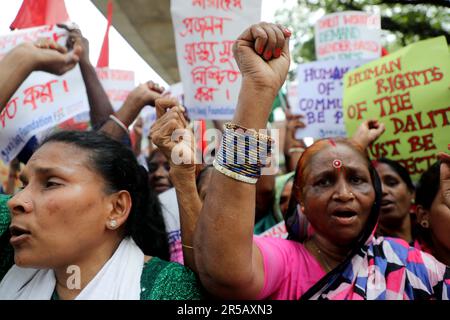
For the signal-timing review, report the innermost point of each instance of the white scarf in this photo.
(118, 279)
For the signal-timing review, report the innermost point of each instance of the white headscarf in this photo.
(118, 279)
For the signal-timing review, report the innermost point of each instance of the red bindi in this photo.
(337, 163)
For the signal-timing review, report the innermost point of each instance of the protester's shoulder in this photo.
(163, 280)
(5, 218)
(278, 243)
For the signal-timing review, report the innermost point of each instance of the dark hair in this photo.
(119, 168)
(400, 170)
(428, 186)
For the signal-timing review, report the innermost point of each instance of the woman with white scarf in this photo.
(80, 227)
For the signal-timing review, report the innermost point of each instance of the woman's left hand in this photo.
(170, 133)
(51, 57)
(368, 132)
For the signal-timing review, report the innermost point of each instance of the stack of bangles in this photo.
(243, 153)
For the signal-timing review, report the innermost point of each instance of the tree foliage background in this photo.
(402, 21)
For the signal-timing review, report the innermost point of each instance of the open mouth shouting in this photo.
(344, 216)
(18, 235)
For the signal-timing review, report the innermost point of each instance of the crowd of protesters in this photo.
(89, 221)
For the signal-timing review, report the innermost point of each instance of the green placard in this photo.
(408, 91)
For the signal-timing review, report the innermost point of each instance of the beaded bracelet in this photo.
(249, 147)
(243, 153)
(252, 132)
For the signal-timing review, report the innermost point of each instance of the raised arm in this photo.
(20, 62)
(182, 175)
(367, 132)
(142, 95)
(137, 132)
(99, 105)
(229, 264)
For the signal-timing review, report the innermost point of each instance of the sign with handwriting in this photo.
(205, 32)
(43, 100)
(348, 35)
(408, 91)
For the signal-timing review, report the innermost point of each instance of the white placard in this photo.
(348, 35)
(14, 38)
(205, 32)
(320, 90)
(117, 84)
(43, 100)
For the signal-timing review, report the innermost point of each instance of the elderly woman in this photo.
(337, 190)
(82, 227)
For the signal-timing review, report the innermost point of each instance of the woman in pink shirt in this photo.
(338, 192)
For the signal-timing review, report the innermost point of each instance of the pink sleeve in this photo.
(276, 259)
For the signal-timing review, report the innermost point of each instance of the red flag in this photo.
(384, 52)
(103, 59)
(34, 13)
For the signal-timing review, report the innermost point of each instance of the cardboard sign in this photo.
(320, 97)
(348, 35)
(205, 32)
(42, 101)
(408, 91)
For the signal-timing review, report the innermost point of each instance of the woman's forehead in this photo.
(384, 168)
(341, 153)
(59, 154)
(336, 158)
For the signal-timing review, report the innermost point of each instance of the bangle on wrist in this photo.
(119, 123)
(186, 246)
(296, 149)
(243, 153)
